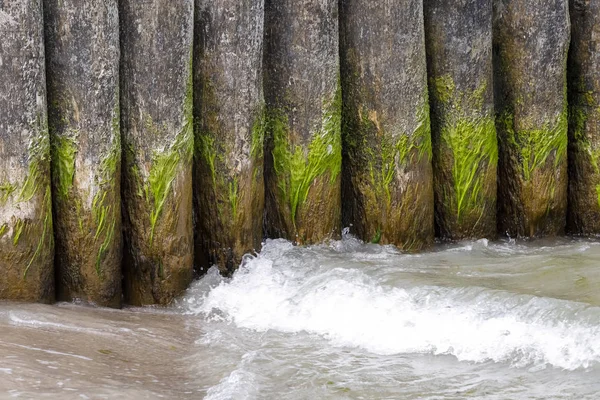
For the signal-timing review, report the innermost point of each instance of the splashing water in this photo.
(346, 320)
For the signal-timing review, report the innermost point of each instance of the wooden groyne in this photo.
(303, 99)
(149, 139)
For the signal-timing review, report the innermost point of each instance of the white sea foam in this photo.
(274, 291)
(239, 384)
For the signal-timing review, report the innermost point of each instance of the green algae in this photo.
(535, 146)
(46, 230)
(298, 167)
(105, 245)
(397, 153)
(165, 165)
(38, 158)
(470, 139)
(472, 143)
(420, 140)
(205, 144)
(382, 177)
(39, 151)
(19, 226)
(443, 87)
(377, 238)
(63, 152)
(64, 149)
(477, 98)
(234, 197)
(104, 216)
(132, 168)
(102, 209)
(259, 128)
(578, 120)
(6, 190)
(162, 174)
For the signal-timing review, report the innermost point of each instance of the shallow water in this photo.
(348, 320)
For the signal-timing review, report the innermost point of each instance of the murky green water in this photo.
(345, 321)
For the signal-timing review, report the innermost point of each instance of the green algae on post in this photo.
(26, 240)
(583, 215)
(83, 116)
(297, 172)
(472, 144)
(303, 134)
(63, 151)
(531, 105)
(164, 171)
(387, 150)
(157, 140)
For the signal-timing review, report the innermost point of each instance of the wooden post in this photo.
(531, 40)
(302, 90)
(229, 110)
(388, 181)
(584, 119)
(157, 127)
(465, 148)
(26, 237)
(82, 53)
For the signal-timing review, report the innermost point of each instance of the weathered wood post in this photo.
(157, 131)
(230, 124)
(303, 98)
(388, 182)
(465, 149)
(26, 238)
(531, 40)
(82, 53)
(584, 118)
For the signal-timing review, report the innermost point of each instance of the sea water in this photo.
(345, 320)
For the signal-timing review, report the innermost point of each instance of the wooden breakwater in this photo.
(143, 140)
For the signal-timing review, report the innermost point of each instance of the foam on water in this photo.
(289, 290)
(239, 384)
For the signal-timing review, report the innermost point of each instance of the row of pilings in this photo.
(141, 138)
